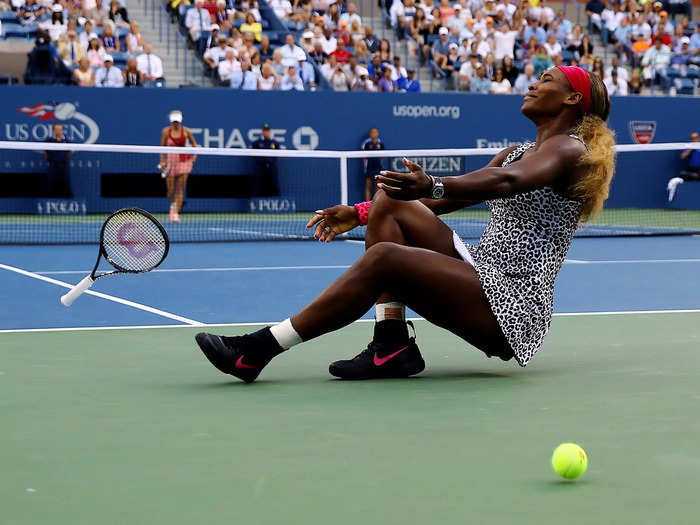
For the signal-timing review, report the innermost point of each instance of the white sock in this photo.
(285, 334)
(173, 206)
(392, 310)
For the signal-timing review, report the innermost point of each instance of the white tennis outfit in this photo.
(518, 258)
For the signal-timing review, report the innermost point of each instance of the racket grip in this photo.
(76, 291)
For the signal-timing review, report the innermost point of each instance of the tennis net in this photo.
(246, 195)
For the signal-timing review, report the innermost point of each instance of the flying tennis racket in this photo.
(132, 241)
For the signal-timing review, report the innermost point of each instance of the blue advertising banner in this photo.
(323, 120)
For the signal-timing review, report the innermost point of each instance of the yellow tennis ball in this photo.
(569, 460)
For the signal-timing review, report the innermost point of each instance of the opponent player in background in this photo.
(175, 166)
(497, 296)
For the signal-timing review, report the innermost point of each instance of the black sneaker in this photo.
(381, 360)
(243, 356)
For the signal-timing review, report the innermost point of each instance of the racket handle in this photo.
(76, 291)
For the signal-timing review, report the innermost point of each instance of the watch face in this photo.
(438, 192)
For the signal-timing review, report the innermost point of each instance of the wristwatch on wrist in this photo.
(438, 191)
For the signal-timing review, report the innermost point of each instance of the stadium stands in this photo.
(436, 42)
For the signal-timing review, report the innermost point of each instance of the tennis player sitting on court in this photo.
(498, 295)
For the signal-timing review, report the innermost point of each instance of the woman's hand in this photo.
(333, 221)
(413, 185)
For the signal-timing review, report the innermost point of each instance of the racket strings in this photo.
(133, 242)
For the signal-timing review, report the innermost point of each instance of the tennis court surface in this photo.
(111, 414)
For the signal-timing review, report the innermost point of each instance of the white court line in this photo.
(103, 296)
(261, 323)
(633, 261)
(223, 269)
(345, 266)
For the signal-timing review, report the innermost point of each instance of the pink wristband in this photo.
(363, 211)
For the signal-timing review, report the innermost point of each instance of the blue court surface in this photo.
(254, 282)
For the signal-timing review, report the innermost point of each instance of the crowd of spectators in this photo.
(485, 46)
(82, 41)
(333, 47)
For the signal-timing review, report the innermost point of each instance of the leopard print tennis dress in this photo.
(519, 256)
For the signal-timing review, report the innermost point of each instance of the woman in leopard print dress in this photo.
(498, 295)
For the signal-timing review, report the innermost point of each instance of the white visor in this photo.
(175, 116)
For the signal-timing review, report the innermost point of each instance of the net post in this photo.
(343, 179)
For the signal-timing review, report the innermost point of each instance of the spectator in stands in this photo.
(541, 60)
(317, 54)
(118, 14)
(504, 42)
(134, 40)
(635, 84)
(663, 25)
(551, 46)
(370, 40)
(565, 26)
(95, 53)
(480, 83)
(682, 54)
(695, 40)
(510, 72)
(291, 53)
(351, 15)
(411, 83)
(307, 43)
(109, 75)
(248, 48)
(30, 12)
(277, 64)
(398, 72)
(362, 82)
(132, 76)
(268, 81)
(340, 53)
(98, 14)
(385, 50)
(361, 53)
(291, 80)
(223, 17)
(373, 165)
(621, 71)
(307, 74)
(655, 61)
(150, 65)
(343, 33)
(109, 41)
(375, 68)
(489, 64)
(328, 41)
(248, 6)
(265, 49)
(54, 26)
(356, 33)
(211, 40)
(246, 79)
(534, 29)
(440, 50)
(597, 68)
(385, 84)
(611, 17)
(339, 79)
(615, 85)
(71, 51)
(682, 7)
(227, 67)
(214, 55)
(58, 176)
(83, 76)
(525, 79)
(500, 84)
(691, 173)
(594, 10)
(197, 20)
(467, 71)
(252, 26)
(87, 34)
(283, 10)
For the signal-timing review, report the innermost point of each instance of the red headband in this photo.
(581, 83)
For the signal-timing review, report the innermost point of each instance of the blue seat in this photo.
(684, 86)
(674, 72)
(568, 56)
(120, 58)
(693, 72)
(17, 30)
(8, 16)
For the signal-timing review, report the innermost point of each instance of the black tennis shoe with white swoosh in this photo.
(242, 356)
(382, 359)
